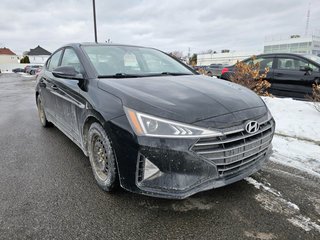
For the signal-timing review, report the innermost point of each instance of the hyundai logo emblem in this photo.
(252, 127)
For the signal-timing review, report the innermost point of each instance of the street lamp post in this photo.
(94, 21)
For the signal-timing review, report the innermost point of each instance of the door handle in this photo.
(54, 87)
(278, 74)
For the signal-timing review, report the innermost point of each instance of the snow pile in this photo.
(298, 119)
(6, 71)
(26, 75)
(299, 154)
(297, 139)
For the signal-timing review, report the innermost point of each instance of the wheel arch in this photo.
(96, 118)
(37, 95)
(85, 129)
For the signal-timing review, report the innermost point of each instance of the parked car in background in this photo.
(38, 71)
(17, 70)
(215, 69)
(197, 68)
(32, 69)
(26, 68)
(151, 122)
(290, 75)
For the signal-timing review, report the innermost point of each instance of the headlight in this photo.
(269, 115)
(147, 125)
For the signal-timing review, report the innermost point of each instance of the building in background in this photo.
(37, 55)
(7, 56)
(293, 44)
(225, 57)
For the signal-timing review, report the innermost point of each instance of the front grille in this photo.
(235, 151)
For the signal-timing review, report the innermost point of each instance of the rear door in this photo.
(289, 80)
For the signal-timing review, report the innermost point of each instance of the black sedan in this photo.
(290, 75)
(151, 123)
(17, 70)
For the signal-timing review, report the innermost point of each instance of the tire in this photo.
(102, 158)
(42, 115)
(31, 72)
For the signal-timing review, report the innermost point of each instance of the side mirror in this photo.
(67, 72)
(305, 69)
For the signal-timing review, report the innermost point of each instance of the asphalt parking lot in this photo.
(47, 191)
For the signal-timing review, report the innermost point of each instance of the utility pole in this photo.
(308, 20)
(94, 21)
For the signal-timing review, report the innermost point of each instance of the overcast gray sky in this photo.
(165, 24)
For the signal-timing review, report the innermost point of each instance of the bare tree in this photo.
(316, 95)
(176, 54)
(250, 76)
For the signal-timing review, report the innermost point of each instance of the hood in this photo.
(186, 99)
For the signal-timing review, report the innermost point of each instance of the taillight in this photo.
(224, 70)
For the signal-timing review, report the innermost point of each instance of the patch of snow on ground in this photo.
(276, 193)
(27, 75)
(297, 136)
(6, 71)
(299, 154)
(304, 222)
(294, 118)
(275, 202)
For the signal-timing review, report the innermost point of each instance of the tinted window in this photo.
(70, 58)
(294, 64)
(54, 60)
(264, 62)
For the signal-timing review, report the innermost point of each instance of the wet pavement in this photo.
(47, 191)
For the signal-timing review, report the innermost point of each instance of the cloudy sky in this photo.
(165, 24)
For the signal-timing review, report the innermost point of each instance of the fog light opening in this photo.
(149, 169)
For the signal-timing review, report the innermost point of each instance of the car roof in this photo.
(303, 56)
(279, 54)
(102, 44)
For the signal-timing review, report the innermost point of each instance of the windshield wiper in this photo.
(126, 75)
(120, 75)
(175, 73)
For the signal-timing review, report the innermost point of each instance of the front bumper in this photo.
(184, 174)
(182, 170)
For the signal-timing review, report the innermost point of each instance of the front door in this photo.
(68, 101)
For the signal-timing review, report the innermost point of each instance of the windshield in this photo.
(313, 58)
(122, 61)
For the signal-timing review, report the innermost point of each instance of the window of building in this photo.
(283, 46)
(304, 44)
